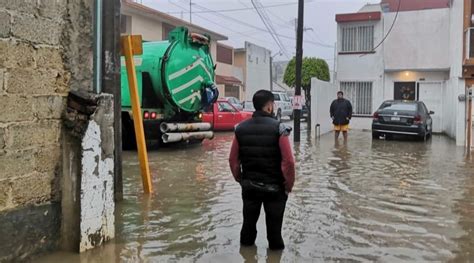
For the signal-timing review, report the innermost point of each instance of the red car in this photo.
(223, 116)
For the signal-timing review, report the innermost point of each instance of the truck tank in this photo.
(175, 82)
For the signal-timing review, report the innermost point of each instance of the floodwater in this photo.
(365, 201)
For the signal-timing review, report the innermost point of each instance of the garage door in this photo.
(431, 94)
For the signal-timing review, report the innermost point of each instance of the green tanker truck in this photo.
(175, 83)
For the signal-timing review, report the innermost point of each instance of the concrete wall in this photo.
(46, 52)
(240, 61)
(410, 76)
(257, 69)
(151, 30)
(455, 122)
(33, 86)
(349, 66)
(419, 40)
(321, 99)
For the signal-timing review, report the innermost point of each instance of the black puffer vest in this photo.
(259, 147)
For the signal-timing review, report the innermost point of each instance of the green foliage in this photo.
(311, 68)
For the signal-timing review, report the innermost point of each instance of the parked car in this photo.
(283, 106)
(223, 116)
(248, 106)
(235, 102)
(402, 117)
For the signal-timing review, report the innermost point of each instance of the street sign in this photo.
(298, 102)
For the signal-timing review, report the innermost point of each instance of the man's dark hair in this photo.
(261, 98)
(340, 92)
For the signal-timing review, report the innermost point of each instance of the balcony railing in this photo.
(469, 45)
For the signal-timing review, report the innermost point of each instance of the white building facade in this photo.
(420, 59)
(255, 62)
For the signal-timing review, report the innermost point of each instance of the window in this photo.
(224, 54)
(357, 39)
(360, 95)
(399, 106)
(225, 107)
(276, 97)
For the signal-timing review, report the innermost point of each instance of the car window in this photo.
(398, 106)
(285, 98)
(425, 109)
(248, 105)
(225, 107)
(277, 97)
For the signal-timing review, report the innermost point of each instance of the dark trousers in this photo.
(274, 205)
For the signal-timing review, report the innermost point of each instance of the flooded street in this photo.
(365, 201)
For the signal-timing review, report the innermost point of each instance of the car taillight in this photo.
(417, 119)
(153, 115)
(376, 116)
(146, 115)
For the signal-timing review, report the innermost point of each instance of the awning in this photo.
(227, 80)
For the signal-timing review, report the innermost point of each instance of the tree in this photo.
(311, 68)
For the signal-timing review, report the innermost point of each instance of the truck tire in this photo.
(375, 135)
(128, 134)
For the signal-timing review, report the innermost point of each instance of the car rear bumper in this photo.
(398, 129)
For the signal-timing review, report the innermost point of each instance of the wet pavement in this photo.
(364, 201)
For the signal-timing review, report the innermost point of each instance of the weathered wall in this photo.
(419, 40)
(33, 85)
(45, 52)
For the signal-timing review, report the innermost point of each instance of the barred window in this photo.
(357, 39)
(360, 95)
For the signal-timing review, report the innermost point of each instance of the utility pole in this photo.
(299, 61)
(190, 11)
(271, 72)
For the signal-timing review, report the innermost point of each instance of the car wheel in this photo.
(292, 116)
(278, 115)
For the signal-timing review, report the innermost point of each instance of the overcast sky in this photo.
(246, 25)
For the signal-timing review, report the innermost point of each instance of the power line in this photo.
(241, 9)
(266, 21)
(222, 26)
(391, 27)
(256, 27)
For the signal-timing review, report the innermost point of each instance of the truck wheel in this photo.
(292, 116)
(375, 135)
(128, 135)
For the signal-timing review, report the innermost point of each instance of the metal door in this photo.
(431, 93)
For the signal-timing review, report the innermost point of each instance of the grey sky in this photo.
(319, 15)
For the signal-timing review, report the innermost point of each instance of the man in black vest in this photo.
(261, 160)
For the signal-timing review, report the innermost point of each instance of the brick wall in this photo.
(45, 51)
(33, 86)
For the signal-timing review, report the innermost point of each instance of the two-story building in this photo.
(154, 25)
(411, 51)
(256, 65)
